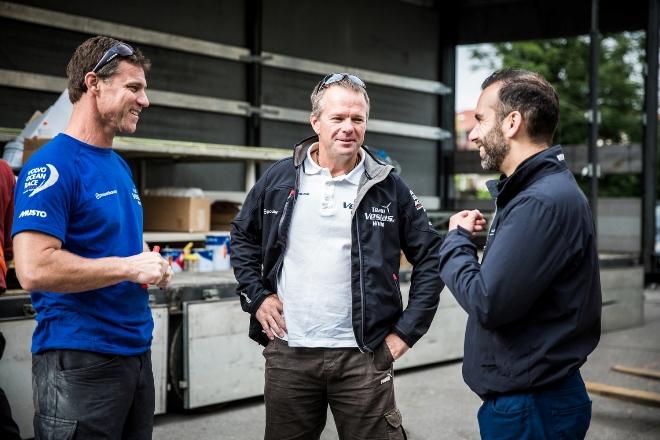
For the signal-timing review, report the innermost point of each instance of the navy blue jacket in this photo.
(534, 302)
(260, 233)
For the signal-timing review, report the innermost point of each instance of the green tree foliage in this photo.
(565, 63)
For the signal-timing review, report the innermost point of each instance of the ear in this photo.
(314, 120)
(512, 124)
(92, 82)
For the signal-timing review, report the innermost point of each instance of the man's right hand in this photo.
(148, 268)
(271, 316)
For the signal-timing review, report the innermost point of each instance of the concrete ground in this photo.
(436, 404)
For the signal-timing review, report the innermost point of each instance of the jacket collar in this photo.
(373, 168)
(549, 161)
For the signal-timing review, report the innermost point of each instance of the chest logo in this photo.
(105, 194)
(379, 216)
(40, 178)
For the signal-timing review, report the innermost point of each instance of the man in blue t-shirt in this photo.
(78, 249)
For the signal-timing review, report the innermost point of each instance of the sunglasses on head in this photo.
(118, 50)
(336, 77)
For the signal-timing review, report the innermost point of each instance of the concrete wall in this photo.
(623, 297)
(620, 225)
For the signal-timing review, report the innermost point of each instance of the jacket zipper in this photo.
(292, 196)
(361, 193)
(398, 289)
(357, 236)
(280, 259)
(488, 239)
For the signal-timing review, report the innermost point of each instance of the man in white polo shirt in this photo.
(316, 252)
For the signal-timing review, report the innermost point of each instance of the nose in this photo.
(347, 125)
(473, 136)
(142, 100)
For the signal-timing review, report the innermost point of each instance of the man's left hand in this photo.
(396, 345)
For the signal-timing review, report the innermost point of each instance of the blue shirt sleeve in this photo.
(44, 194)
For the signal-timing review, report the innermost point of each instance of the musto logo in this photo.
(32, 213)
(40, 178)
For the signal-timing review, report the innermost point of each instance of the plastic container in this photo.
(174, 257)
(205, 262)
(219, 244)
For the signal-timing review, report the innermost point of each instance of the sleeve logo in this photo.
(418, 204)
(33, 213)
(136, 196)
(40, 178)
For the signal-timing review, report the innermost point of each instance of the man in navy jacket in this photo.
(534, 301)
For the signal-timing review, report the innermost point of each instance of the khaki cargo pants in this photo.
(302, 382)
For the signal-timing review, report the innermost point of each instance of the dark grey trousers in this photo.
(86, 395)
(358, 387)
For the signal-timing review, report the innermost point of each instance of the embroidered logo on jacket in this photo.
(379, 216)
(418, 204)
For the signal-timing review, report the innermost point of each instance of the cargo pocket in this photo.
(394, 429)
(53, 428)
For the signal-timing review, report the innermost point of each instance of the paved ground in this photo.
(436, 404)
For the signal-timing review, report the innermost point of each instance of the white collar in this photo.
(311, 167)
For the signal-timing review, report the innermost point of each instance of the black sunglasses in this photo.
(336, 77)
(118, 50)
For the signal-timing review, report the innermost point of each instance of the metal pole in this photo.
(448, 35)
(650, 148)
(594, 49)
(445, 158)
(253, 23)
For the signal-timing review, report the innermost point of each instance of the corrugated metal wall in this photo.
(387, 36)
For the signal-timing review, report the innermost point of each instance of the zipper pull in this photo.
(394, 277)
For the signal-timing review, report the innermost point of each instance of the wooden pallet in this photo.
(641, 372)
(647, 398)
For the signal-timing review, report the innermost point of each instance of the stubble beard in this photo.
(495, 150)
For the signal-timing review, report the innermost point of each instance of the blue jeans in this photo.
(559, 411)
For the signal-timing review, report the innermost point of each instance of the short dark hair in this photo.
(531, 95)
(88, 54)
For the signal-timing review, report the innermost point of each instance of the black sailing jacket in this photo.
(534, 302)
(260, 233)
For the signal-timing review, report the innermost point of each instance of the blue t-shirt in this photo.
(85, 196)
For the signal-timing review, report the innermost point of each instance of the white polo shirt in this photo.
(314, 283)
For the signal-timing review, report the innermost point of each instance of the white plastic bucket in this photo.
(219, 244)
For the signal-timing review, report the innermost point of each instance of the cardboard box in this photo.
(31, 145)
(177, 214)
(222, 214)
